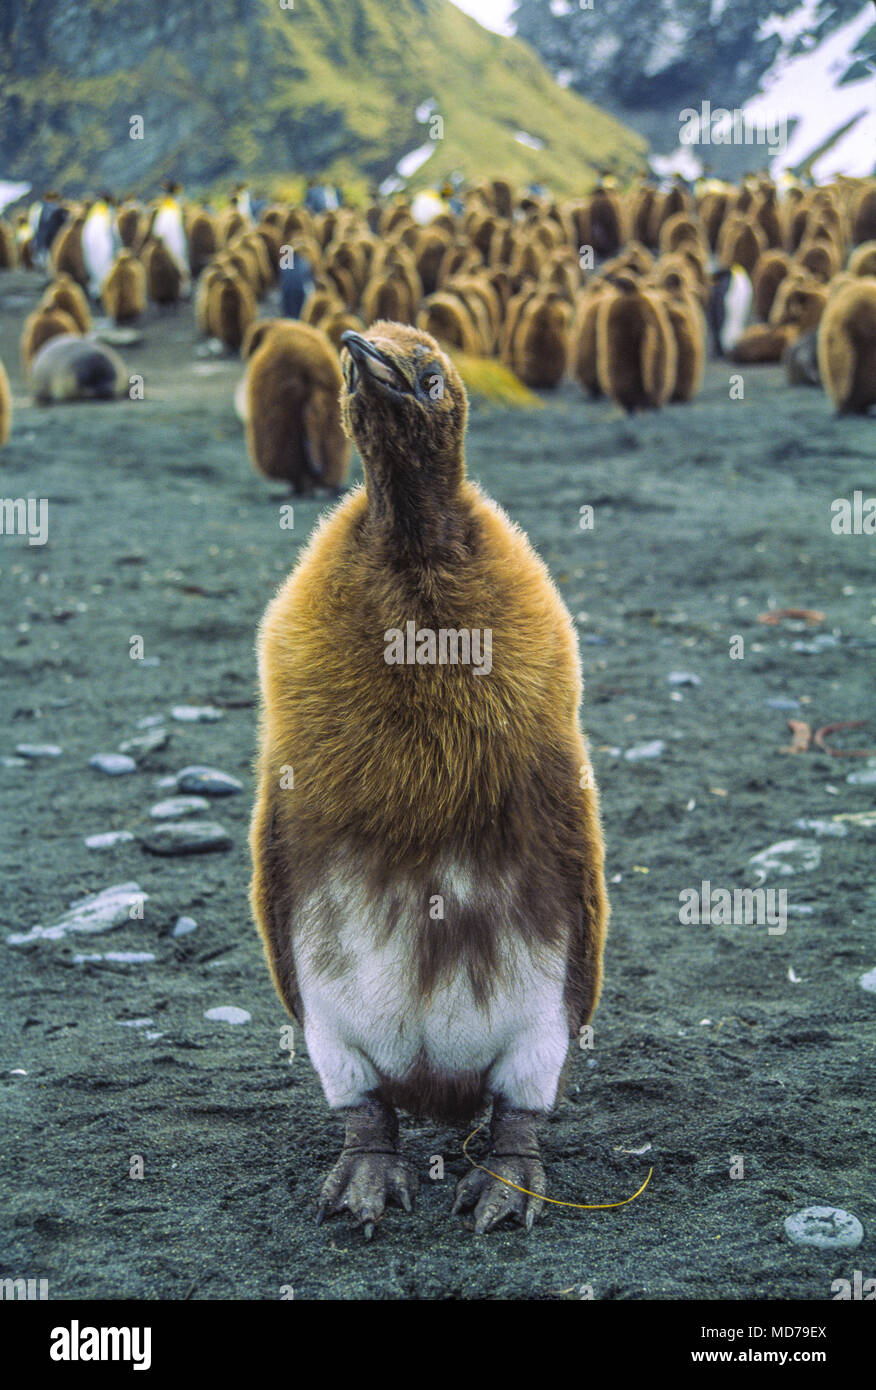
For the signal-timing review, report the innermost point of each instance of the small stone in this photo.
(113, 764)
(197, 714)
(38, 750)
(683, 678)
(144, 744)
(822, 827)
(119, 957)
(641, 751)
(183, 925)
(866, 819)
(227, 1013)
(827, 1228)
(186, 837)
(134, 1022)
(176, 806)
(865, 777)
(108, 839)
(150, 721)
(100, 912)
(207, 780)
(13, 762)
(788, 857)
(782, 702)
(818, 644)
(868, 981)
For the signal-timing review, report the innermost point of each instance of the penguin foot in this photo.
(515, 1163)
(370, 1171)
(491, 1201)
(363, 1183)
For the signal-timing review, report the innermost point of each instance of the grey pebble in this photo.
(186, 837)
(228, 1013)
(823, 827)
(100, 912)
(788, 857)
(108, 839)
(641, 751)
(183, 925)
(683, 678)
(208, 780)
(150, 721)
(148, 742)
(38, 750)
(866, 777)
(119, 957)
(13, 762)
(868, 981)
(827, 1228)
(176, 806)
(821, 643)
(782, 702)
(197, 714)
(113, 764)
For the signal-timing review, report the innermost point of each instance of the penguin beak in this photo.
(367, 358)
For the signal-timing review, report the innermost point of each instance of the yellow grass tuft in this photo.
(489, 379)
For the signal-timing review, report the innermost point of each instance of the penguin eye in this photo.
(431, 383)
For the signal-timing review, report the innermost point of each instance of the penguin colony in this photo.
(420, 781)
(751, 273)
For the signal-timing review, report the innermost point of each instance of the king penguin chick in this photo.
(430, 893)
(293, 421)
(5, 407)
(847, 347)
(636, 352)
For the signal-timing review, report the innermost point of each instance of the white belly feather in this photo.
(368, 1019)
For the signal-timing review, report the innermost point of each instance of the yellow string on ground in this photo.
(580, 1206)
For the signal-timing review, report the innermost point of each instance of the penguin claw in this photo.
(490, 1201)
(363, 1184)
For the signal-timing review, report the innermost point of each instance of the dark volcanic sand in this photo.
(704, 1048)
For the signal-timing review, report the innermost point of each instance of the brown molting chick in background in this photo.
(293, 418)
(231, 308)
(8, 247)
(430, 890)
(39, 327)
(847, 347)
(164, 278)
(123, 292)
(537, 342)
(65, 294)
(5, 407)
(636, 355)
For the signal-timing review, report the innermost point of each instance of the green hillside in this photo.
(245, 88)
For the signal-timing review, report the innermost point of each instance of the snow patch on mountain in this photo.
(807, 91)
